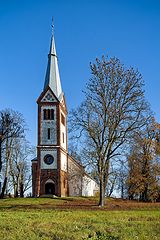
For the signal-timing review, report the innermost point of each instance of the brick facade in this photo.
(56, 176)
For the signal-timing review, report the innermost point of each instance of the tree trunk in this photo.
(122, 190)
(144, 196)
(21, 190)
(102, 193)
(111, 189)
(6, 171)
(4, 187)
(0, 154)
(130, 197)
(0, 160)
(15, 190)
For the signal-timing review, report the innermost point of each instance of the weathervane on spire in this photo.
(52, 27)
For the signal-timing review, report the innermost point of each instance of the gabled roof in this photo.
(34, 159)
(52, 78)
(44, 92)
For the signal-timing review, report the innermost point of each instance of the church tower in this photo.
(49, 169)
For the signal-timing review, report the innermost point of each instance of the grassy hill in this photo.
(78, 218)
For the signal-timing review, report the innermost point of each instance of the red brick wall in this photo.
(46, 175)
(40, 176)
(34, 178)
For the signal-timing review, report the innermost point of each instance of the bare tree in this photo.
(12, 126)
(20, 166)
(112, 110)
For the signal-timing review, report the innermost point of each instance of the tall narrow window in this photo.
(63, 137)
(52, 114)
(62, 119)
(44, 114)
(49, 114)
(49, 133)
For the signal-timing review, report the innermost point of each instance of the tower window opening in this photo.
(48, 159)
(49, 133)
(62, 119)
(44, 114)
(52, 114)
(63, 137)
(48, 114)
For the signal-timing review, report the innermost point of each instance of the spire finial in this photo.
(52, 26)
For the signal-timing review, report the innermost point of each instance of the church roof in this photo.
(52, 78)
(82, 167)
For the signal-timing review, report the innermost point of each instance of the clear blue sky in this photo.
(84, 30)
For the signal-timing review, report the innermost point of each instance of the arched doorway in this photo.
(50, 188)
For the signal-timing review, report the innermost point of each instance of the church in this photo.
(54, 171)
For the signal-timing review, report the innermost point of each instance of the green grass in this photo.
(40, 219)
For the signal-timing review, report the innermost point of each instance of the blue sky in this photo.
(84, 30)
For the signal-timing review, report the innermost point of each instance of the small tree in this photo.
(122, 174)
(112, 179)
(112, 110)
(144, 167)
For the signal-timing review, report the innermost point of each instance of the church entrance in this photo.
(50, 188)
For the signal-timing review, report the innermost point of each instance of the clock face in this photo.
(48, 159)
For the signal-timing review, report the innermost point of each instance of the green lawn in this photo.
(48, 219)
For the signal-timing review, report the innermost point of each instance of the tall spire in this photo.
(52, 78)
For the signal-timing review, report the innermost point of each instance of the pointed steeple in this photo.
(52, 78)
